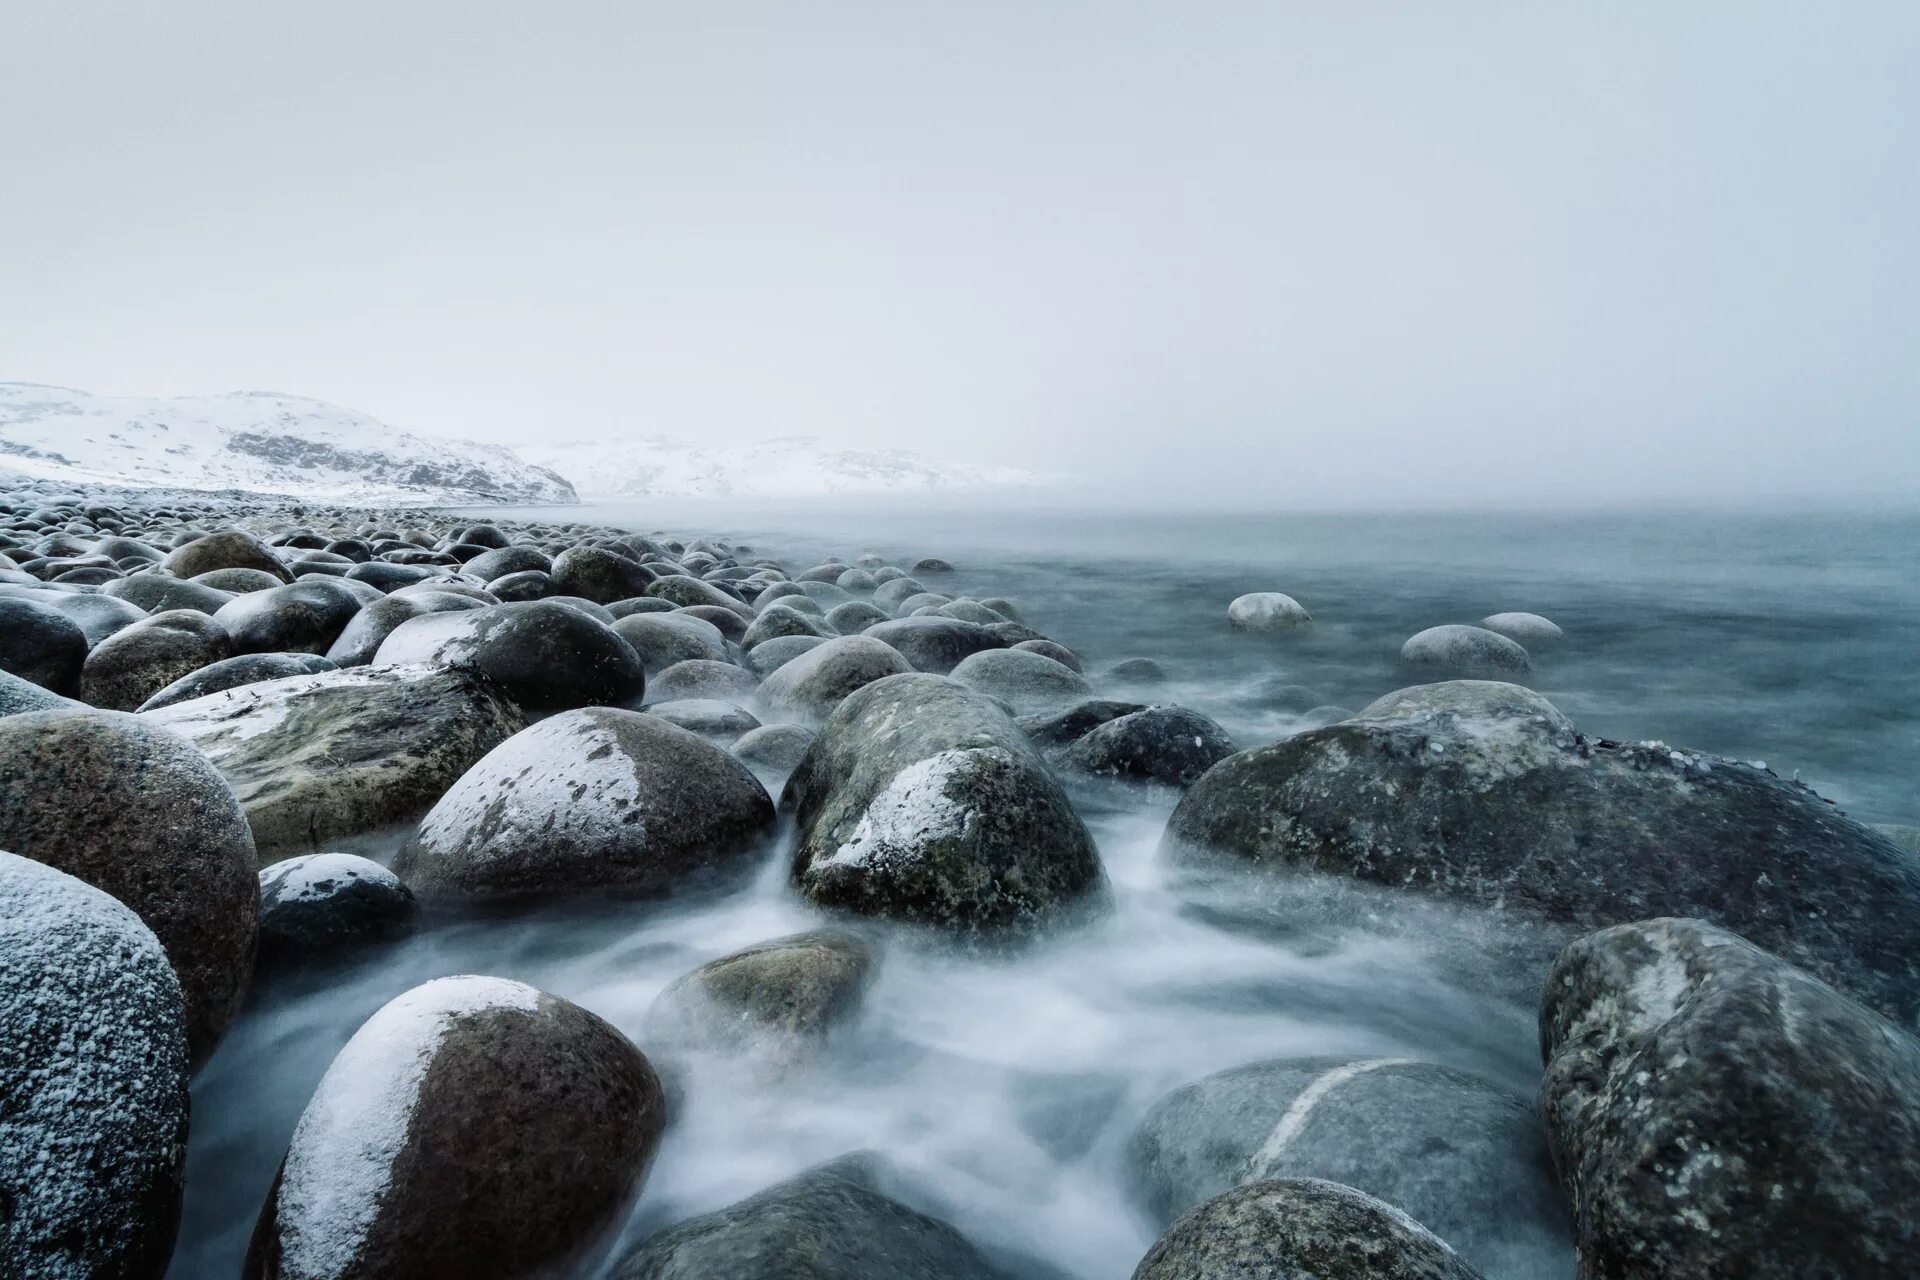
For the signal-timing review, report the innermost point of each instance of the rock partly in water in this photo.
(1464, 651)
(775, 748)
(666, 639)
(1030, 682)
(709, 717)
(329, 906)
(776, 1003)
(1715, 1111)
(93, 1071)
(1167, 746)
(1529, 630)
(934, 644)
(813, 684)
(473, 1127)
(1267, 611)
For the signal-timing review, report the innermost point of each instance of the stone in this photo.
(1267, 611)
(1053, 730)
(227, 549)
(775, 748)
(542, 654)
(126, 669)
(1058, 652)
(1170, 746)
(775, 1003)
(301, 617)
(813, 684)
(702, 678)
(782, 620)
(233, 673)
(41, 645)
(330, 906)
(708, 717)
(1529, 630)
(1029, 681)
(157, 593)
(368, 629)
(1465, 651)
(766, 658)
(663, 639)
(599, 575)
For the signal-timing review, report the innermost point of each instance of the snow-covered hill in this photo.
(258, 441)
(789, 467)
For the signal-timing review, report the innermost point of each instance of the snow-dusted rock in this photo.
(588, 801)
(543, 654)
(921, 800)
(1029, 681)
(231, 673)
(813, 684)
(368, 629)
(473, 1127)
(93, 1073)
(1465, 651)
(1715, 1111)
(1530, 630)
(1267, 611)
(320, 906)
(134, 810)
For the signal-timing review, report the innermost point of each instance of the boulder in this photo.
(302, 617)
(775, 748)
(765, 659)
(17, 696)
(589, 801)
(368, 629)
(156, 593)
(135, 811)
(854, 617)
(1459, 1153)
(320, 758)
(126, 669)
(473, 1127)
(93, 1069)
(518, 588)
(1715, 1111)
(232, 673)
(702, 678)
(1529, 630)
(1054, 730)
(239, 582)
(1267, 611)
(888, 595)
(663, 639)
(326, 906)
(728, 623)
(41, 645)
(1300, 1229)
(544, 655)
(782, 620)
(775, 1003)
(1170, 746)
(1058, 652)
(599, 575)
(1028, 681)
(828, 1223)
(708, 717)
(1135, 671)
(813, 684)
(227, 549)
(932, 564)
(490, 566)
(922, 801)
(1464, 651)
(98, 616)
(1483, 793)
(684, 591)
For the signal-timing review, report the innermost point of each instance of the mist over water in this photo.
(1005, 1088)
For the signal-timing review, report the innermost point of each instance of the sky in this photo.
(1285, 254)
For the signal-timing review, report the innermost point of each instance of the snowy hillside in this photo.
(258, 441)
(790, 467)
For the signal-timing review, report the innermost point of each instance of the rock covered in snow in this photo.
(1483, 793)
(134, 810)
(921, 800)
(1464, 651)
(1267, 611)
(318, 758)
(1715, 1111)
(93, 1074)
(542, 654)
(473, 1127)
(324, 905)
(588, 801)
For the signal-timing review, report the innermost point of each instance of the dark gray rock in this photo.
(227, 549)
(93, 1070)
(1171, 746)
(663, 640)
(41, 645)
(599, 575)
(685, 591)
(1483, 793)
(505, 561)
(888, 595)
(232, 673)
(239, 581)
(923, 801)
(302, 617)
(725, 621)
(776, 1003)
(156, 593)
(1715, 1111)
(782, 620)
(517, 588)
(1529, 630)
(1058, 652)
(854, 617)
(766, 658)
(329, 906)
(708, 717)
(813, 684)
(932, 564)
(1300, 1229)
(368, 629)
(1462, 1155)
(1464, 651)
(935, 645)
(544, 655)
(18, 696)
(589, 801)
(126, 669)
(702, 678)
(829, 1223)
(1054, 730)
(1029, 681)
(134, 810)
(98, 616)
(316, 759)
(474, 1127)
(1135, 671)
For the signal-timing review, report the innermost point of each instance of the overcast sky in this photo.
(1284, 252)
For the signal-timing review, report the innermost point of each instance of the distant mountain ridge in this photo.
(259, 441)
(785, 467)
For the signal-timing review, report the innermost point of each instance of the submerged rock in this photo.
(1466, 651)
(1029, 681)
(708, 717)
(922, 801)
(1300, 1229)
(315, 759)
(542, 654)
(93, 1070)
(1460, 1154)
(322, 906)
(829, 1223)
(1483, 793)
(1267, 611)
(473, 1127)
(1715, 1111)
(777, 1001)
(588, 801)
(134, 810)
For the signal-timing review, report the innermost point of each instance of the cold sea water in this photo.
(1004, 1089)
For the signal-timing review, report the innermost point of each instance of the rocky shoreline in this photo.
(210, 708)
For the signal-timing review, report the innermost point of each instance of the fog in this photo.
(1287, 255)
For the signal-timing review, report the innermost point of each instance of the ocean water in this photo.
(1005, 1088)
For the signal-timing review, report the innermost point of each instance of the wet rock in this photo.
(599, 575)
(768, 657)
(126, 669)
(889, 595)
(1300, 1229)
(1529, 630)
(232, 673)
(135, 811)
(776, 1002)
(936, 644)
(923, 801)
(829, 1223)
(813, 684)
(1029, 681)
(1058, 652)
(316, 759)
(728, 623)
(685, 591)
(544, 655)
(41, 645)
(98, 616)
(663, 640)
(1481, 792)
(239, 582)
(18, 696)
(302, 617)
(389, 576)
(1907, 838)
(93, 1067)
(1267, 611)
(157, 593)
(1135, 671)
(973, 611)
(702, 678)
(854, 617)
(474, 1127)
(708, 717)
(517, 588)
(1467, 651)
(510, 561)
(227, 549)
(1715, 1111)
(368, 629)
(776, 748)
(1171, 746)
(782, 620)
(641, 604)
(932, 564)
(1457, 1152)
(590, 800)
(1050, 730)
(856, 581)
(326, 906)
